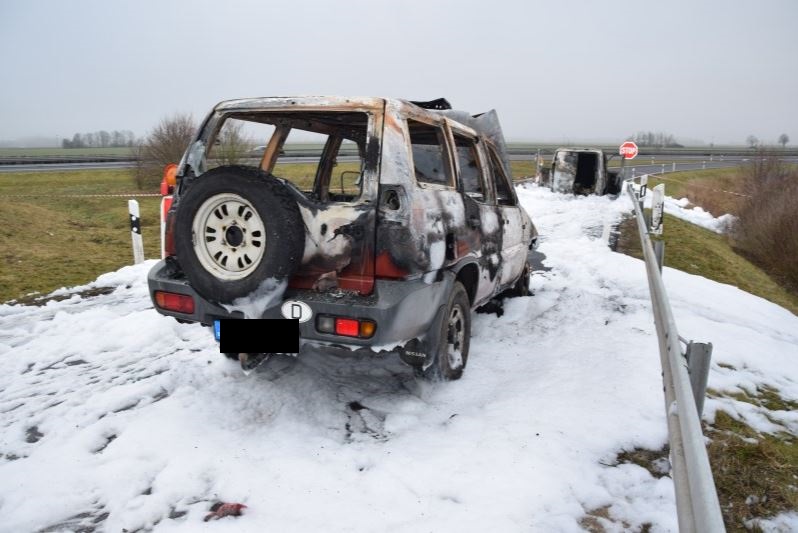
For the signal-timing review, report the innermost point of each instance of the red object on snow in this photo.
(222, 509)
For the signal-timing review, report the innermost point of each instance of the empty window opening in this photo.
(470, 172)
(319, 153)
(504, 190)
(429, 157)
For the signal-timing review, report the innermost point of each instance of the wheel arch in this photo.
(468, 274)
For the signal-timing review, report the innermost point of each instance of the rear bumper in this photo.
(402, 310)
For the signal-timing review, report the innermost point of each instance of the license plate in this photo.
(216, 328)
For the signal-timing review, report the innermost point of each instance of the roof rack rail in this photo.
(438, 103)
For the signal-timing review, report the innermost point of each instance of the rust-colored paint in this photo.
(273, 149)
(386, 268)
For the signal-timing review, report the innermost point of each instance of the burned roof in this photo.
(485, 124)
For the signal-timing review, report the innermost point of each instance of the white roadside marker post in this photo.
(135, 231)
(657, 218)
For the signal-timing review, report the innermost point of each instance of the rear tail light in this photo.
(346, 327)
(180, 303)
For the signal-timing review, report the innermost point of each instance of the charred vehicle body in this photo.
(406, 222)
(584, 171)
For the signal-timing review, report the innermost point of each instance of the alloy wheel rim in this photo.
(455, 337)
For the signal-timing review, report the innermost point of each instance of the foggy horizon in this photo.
(575, 71)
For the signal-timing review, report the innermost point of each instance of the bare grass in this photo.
(717, 190)
(48, 240)
(696, 250)
(756, 474)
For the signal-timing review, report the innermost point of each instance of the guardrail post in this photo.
(659, 252)
(135, 231)
(699, 355)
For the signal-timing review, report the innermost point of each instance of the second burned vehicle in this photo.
(385, 243)
(584, 171)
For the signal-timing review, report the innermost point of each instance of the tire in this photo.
(236, 227)
(521, 287)
(451, 355)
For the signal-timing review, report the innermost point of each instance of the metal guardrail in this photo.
(697, 502)
(60, 159)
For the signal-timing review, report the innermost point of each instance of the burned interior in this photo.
(258, 139)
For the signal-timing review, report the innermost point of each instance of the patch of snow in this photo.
(695, 215)
(782, 523)
(268, 293)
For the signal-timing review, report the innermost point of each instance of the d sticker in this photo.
(295, 310)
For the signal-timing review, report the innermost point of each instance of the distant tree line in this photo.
(753, 141)
(101, 139)
(658, 140)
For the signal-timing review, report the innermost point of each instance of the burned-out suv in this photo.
(385, 242)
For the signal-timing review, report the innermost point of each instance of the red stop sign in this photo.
(628, 150)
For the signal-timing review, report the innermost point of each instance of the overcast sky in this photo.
(715, 71)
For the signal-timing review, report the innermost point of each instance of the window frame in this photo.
(271, 155)
(498, 168)
(443, 139)
(489, 197)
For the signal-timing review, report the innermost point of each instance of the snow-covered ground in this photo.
(117, 418)
(679, 207)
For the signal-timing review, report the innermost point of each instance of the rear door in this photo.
(481, 216)
(513, 248)
(563, 171)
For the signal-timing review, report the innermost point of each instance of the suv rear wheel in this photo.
(455, 338)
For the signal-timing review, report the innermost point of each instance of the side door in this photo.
(481, 216)
(563, 171)
(513, 247)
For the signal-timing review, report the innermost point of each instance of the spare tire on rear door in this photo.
(235, 228)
